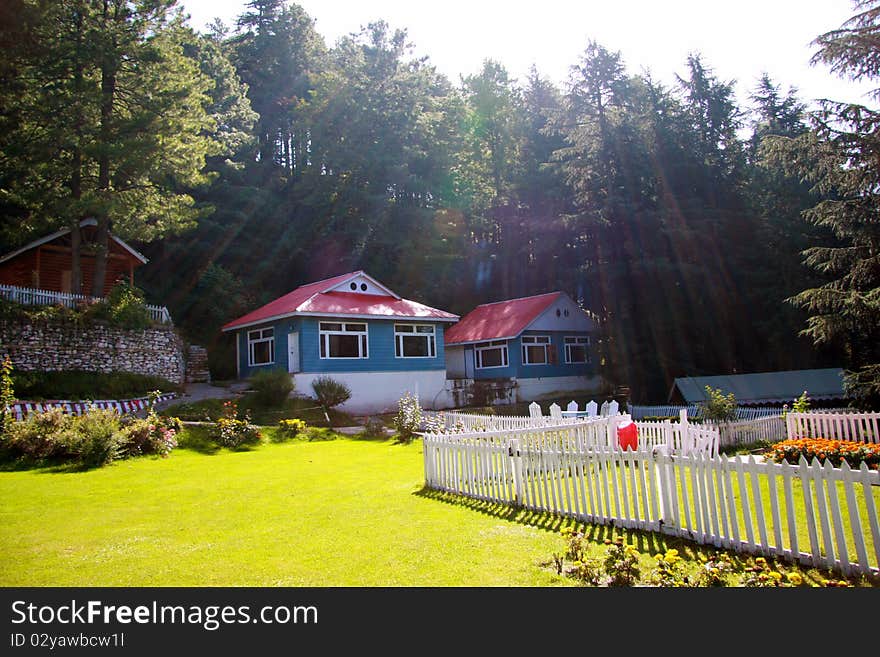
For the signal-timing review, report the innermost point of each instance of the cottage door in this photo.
(293, 352)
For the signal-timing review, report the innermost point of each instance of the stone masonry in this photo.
(54, 345)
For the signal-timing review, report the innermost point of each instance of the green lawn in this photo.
(343, 512)
(333, 513)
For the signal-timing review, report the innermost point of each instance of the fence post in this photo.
(516, 467)
(661, 462)
(687, 443)
(667, 434)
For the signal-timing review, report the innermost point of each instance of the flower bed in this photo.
(836, 451)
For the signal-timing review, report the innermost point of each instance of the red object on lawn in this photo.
(628, 435)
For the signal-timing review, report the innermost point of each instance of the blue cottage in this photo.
(354, 329)
(525, 348)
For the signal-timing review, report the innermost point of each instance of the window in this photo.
(534, 349)
(491, 354)
(343, 340)
(577, 349)
(414, 341)
(261, 347)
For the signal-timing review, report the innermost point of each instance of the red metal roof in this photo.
(313, 299)
(504, 319)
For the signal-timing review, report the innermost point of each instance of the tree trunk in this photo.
(108, 91)
(76, 163)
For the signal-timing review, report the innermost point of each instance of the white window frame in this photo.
(577, 340)
(258, 336)
(402, 331)
(363, 340)
(490, 346)
(535, 341)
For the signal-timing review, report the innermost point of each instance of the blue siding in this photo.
(517, 369)
(513, 358)
(380, 346)
(282, 328)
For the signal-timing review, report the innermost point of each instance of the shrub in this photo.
(719, 407)
(836, 451)
(124, 307)
(668, 572)
(291, 428)
(374, 428)
(151, 435)
(272, 387)
(232, 431)
(44, 435)
(621, 564)
(409, 417)
(329, 392)
(98, 439)
(7, 397)
(319, 433)
(236, 433)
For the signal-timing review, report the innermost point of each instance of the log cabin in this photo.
(45, 263)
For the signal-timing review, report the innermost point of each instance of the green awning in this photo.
(766, 387)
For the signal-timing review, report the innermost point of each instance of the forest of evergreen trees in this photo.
(707, 237)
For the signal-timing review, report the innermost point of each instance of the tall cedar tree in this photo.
(839, 158)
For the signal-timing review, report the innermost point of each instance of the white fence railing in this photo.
(768, 429)
(858, 427)
(33, 297)
(695, 411)
(817, 515)
(679, 437)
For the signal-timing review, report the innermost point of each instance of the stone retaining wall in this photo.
(57, 345)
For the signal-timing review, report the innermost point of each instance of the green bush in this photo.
(98, 439)
(272, 387)
(7, 397)
(329, 392)
(42, 436)
(290, 428)
(233, 431)
(374, 428)
(236, 433)
(719, 407)
(319, 433)
(124, 307)
(93, 439)
(150, 435)
(409, 417)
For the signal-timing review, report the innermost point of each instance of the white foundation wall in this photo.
(379, 392)
(530, 389)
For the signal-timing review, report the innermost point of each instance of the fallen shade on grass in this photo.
(345, 512)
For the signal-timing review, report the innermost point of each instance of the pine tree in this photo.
(838, 158)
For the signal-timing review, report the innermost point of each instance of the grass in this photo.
(343, 512)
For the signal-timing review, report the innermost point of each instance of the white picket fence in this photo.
(817, 515)
(477, 422)
(33, 297)
(466, 421)
(859, 427)
(679, 437)
(740, 434)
